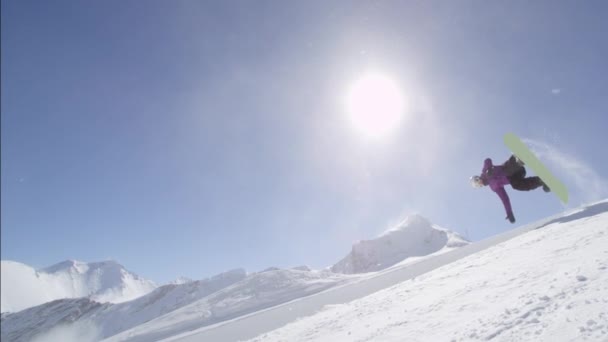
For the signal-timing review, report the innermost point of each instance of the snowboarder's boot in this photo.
(546, 188)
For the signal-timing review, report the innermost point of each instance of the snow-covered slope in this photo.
(27, 324)
(23, 287)
(550, 284)
(415, 236)
(163, 300)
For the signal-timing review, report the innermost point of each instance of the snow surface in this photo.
(23, 287)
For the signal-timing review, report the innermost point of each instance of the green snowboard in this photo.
(521, 151)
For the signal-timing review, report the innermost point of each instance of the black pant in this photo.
(520, 182)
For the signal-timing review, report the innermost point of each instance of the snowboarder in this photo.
(510, 172)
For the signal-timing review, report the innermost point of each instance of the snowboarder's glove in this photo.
(511, 218)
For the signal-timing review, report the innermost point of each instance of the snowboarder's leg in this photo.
(527, 184)
(513, 169)
(516, 174)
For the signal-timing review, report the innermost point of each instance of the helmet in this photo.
(476, 182)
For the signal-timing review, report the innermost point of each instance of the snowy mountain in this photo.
(195, 304)
(108, 281)
(182, 280)
(205, 302)
(415, 236)
(26, 325)
(109, 319)
(256, 292)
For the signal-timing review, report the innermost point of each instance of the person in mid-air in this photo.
(510, 172)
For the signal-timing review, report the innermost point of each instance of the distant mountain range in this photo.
(120, 304)
(108, 281)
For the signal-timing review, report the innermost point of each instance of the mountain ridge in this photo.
(106, 281)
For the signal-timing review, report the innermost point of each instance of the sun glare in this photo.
(375, 105)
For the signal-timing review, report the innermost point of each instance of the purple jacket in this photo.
(495, 177)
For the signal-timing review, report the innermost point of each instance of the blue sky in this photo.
(191, 137)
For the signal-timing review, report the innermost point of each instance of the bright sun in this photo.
(375, 105)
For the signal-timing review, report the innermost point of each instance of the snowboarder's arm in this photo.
(487, 164)
(502, 193)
